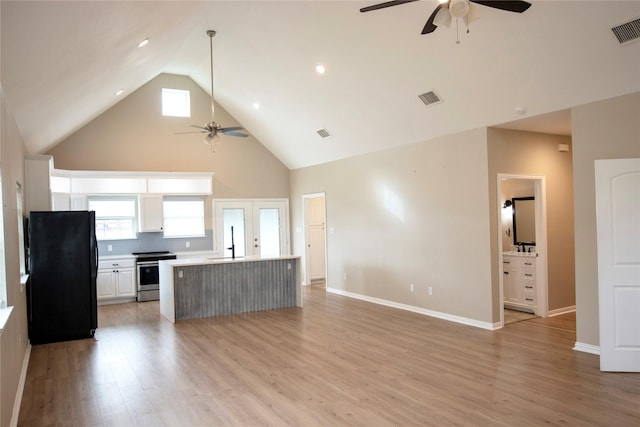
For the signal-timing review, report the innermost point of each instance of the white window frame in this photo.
(133, 219)
(199, 216)
(20, 219)
(176, 102)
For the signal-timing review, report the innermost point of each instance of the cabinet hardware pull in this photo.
(506, 262)
(506, 272)
(528, 299)
(528, 286)
(528, 263)
(528, 274)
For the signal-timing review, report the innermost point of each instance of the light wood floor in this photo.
(336, 362)
(513, 316)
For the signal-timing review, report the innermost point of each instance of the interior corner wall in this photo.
(530, 153)
(14, 340)
(133, 135)
(414, 214)
(608, 129)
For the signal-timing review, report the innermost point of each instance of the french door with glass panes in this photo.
(253, 227)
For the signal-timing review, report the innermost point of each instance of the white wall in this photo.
(608, 129)
(14, 336)
(413, 214)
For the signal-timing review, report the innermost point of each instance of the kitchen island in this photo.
(205, 287)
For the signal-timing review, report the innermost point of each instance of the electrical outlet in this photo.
(430, 290)
(411, 287)
(345, 276)
(109, 248)
(288, 266)
(180, 274)
(188, 244)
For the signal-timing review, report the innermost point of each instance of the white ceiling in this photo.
(62, 62)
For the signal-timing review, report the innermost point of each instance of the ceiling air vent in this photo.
(323, 133)
(430, 98)
(628, 31)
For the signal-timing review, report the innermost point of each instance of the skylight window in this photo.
(176, 103)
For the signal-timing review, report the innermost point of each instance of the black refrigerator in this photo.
(61, 292)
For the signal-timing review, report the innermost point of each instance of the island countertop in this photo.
(216, 260)
(202, 287)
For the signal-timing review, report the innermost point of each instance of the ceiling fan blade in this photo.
(200, 127)
(429, 27)
(231, 128)
(385, 4)
(232, 133)
(508, 5)
(201, 131)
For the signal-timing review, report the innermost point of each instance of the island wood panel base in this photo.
(230, 288)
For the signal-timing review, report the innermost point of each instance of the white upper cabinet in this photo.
(151, 218)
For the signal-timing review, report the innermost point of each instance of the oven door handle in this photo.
(146, 263)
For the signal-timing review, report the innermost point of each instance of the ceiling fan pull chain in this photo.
(457, 33)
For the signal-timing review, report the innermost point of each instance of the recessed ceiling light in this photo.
(256, 105)
(320, 69)
(119, 92)
(143, 42)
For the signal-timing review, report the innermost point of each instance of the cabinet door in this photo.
(507, 279)
(105, 284)
(126, 286)
(151, 219)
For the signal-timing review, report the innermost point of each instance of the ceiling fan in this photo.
(213, 129)
(448, 9)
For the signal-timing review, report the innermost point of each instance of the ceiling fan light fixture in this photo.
(442, 18)
(458, 8)
(473, 15)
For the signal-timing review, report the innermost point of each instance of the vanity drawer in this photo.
(529, 298)
(527, 263)
(527, 276)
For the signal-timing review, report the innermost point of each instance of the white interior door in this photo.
(618, 231)
(315, 239)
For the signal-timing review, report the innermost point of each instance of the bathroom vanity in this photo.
(519, 279)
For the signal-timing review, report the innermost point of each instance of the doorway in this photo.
(315, 239)
(518, 187)
(257, 227)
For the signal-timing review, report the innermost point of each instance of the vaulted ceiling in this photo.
(62, 62)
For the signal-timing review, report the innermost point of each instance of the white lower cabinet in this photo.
(519, 280)
(116, 280)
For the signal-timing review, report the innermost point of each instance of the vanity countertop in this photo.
(521, 254)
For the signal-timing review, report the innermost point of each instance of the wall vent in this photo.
(430, 98)
(628, 31)
(323, 133)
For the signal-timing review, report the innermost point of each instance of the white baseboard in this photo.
(587, 348)
(563, 310)
(23, 378)
(419, 310)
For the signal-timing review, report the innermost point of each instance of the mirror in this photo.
(524, 220)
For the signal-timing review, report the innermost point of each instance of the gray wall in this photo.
(416, 214)
(134, 136)
(529, 153)
(608, 129)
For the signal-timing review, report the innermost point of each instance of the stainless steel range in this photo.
(148, 279)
